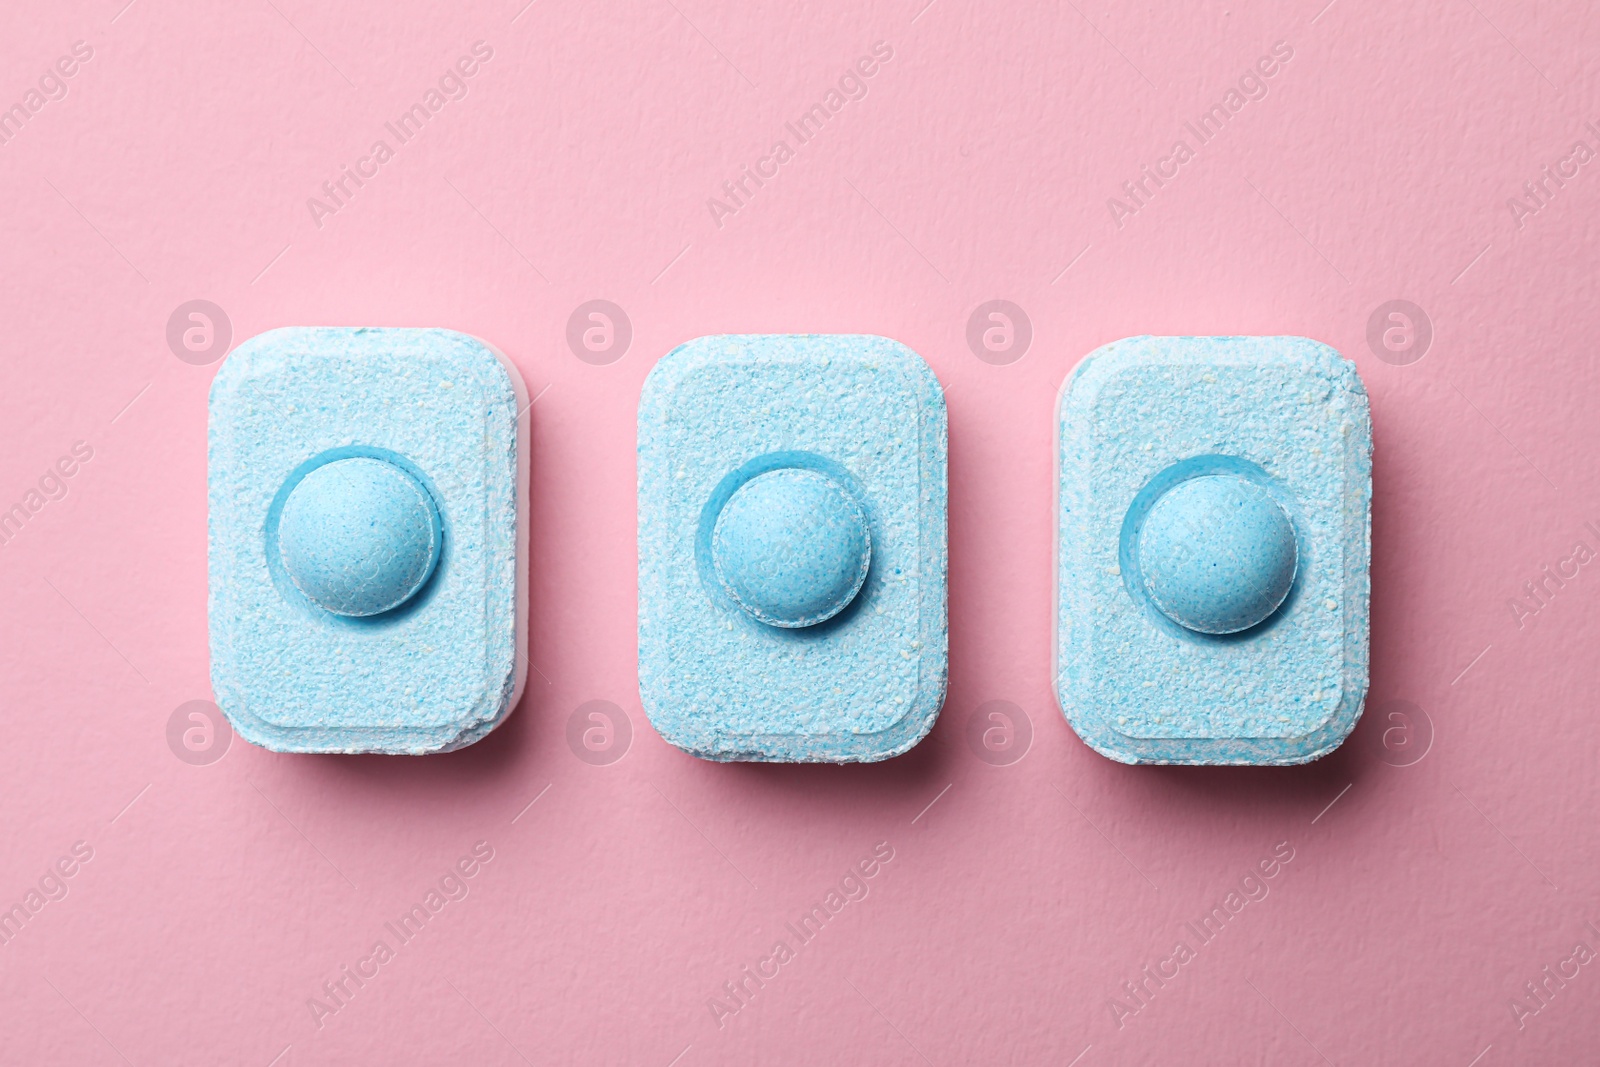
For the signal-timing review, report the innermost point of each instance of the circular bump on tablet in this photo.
(1218, 554)
(359, 536)
(792, 547)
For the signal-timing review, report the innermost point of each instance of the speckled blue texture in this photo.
(792, 547)
(867, 683)
(1144, 415)
(442, 669)
(359, 536)
(1217, 553)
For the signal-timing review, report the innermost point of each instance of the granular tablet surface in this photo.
(792, 548)
(1213, 550)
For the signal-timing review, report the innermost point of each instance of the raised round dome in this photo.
(1217, 554)
(359, 536)
(792, 547)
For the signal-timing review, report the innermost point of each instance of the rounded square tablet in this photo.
(368, 531)
(792, 505)
(1214, 506)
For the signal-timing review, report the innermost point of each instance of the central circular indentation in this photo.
(359, 536)
(792, 547)
(1218, 554)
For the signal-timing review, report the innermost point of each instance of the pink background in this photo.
(221, 897)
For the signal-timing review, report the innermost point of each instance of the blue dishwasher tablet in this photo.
(792, 507)
(368, 530)
(1214, 504)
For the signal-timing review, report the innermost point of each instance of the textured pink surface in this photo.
(220, 898)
